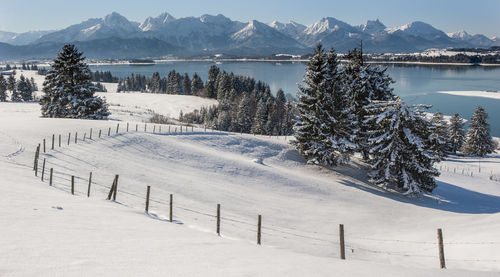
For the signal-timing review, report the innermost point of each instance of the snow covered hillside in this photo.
(47, 231)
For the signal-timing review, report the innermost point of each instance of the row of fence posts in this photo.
(114, 188)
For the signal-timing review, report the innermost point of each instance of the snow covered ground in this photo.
(474, 93)
(46, 231)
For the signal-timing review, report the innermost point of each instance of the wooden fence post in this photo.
(90, 182)
(147, 198)
(171, 207)
(218, 219)
(441, 248)
(84, 136)
(154, 129)
(43, 169)
(53, 140)
(116, 188)
(110, 194)
(169, 129)
(69, 137)
(100, 133)
(76, 137)
(73, 185)
(127, 126)
(342, 243)
(50, 179)
(44, 146)
(145, 127)
(59, 140)
(36, 157)
(109, 131)
(117, 127)
(90, 137)
(259, 227)
(136, 126)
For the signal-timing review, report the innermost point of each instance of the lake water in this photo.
(414, 83)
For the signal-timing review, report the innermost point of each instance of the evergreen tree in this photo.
(307, 126)
(11, 83)
(288, 119)
(260, 119)
(3, 89)
(196, 84)
(400, 157)
(244, 117)
(439, 135)
(456, 133)
(224, 116)
(364, 83)
(186, 84)
(478, 140)
(69, 92)
(340, 127)
(155, 83)
(24, 89)
(211, 85)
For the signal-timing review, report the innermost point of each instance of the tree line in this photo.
(17, 90)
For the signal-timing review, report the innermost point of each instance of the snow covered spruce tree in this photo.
(400, 156)
(456, 134)
(439, 135)
(325, 127)
(69, 92)
(364, 83)
(478, 139)
(3, 89)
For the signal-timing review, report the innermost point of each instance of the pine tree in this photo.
(24, 89)
(186, 84)
(69, 92)
(439, 135)
(364, 83)
(224, 116)
(456, 133)
(288, 119)
(478, 140)
(3, 89)
(196, 84)
(211, 85)
(340, 126)
(244, 117)
(307, 126)
(155, 83)
(400, 156)
(260, 119)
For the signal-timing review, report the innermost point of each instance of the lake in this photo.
(416, 84)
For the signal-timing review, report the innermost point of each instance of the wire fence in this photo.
(371, 247)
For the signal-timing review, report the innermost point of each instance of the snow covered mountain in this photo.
(21, 38)
(477, 40)
(291, 29)
(218, 34)
(258, 35)
(112, 25)
(418, 28)
(152, 24)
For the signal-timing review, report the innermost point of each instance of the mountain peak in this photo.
(327, 24)
(155, 23)
(217, 19)
(460, 35)
(373, 26)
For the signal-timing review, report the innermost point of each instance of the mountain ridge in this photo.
(218, 34)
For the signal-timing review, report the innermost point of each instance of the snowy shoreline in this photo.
(474, 93)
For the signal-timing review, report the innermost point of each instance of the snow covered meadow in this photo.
(47, 231)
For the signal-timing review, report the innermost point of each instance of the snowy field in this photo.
(49, 232)
(474, 93)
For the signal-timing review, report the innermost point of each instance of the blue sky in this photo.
(479, 16)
